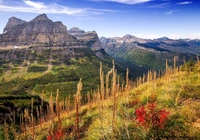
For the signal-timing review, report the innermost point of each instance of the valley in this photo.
(150, 53)
(57, 83)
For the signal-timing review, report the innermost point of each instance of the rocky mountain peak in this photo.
(75, 30)
(41, 17)
(88, 38)
(40, 31)
(163, 38)
(128, 36)
(12, 22)
(42, 24)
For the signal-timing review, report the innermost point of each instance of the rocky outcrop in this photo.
(90, 38)
(41, 31)
(76, 32)
(13, 21)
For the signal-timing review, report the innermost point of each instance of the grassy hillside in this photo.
(152, 107)
(37, 72)
(150, 55)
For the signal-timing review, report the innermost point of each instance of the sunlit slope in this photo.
(152, 107)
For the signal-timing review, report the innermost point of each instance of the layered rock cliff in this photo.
(41, 31)
(90, 38)
(13, 21)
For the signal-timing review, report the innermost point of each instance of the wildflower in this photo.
(151, 106)
(49, 137)
(59, 134)
(151, 117)
(141, 113)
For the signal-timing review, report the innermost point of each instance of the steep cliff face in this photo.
(13, 21)
(40, 31)
(90, 39)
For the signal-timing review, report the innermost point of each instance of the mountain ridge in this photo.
(41, 31)
(150, 53)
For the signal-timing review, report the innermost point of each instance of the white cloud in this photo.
(170, 12)
(162, 5)
(40, 7)
(125, 1)
(185, 2)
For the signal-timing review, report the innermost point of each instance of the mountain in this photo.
(87, 38)
(150, 53)
(13, 21)
(42, 55)
(41, 31)
(163, 38)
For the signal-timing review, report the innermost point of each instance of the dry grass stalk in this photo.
(143, 78)
(42, 103)
(32, 100)
(26, 120)
(175, 64)
(51, 110)
(68, 104)
(6, 134)
(155, 76)
(33, 127)
(166, 67)
(178, 96)
(114, 96)
(102, 83)
(118, 83)
(107, 83)
(77, 107)
(58, 110)
(127, 79)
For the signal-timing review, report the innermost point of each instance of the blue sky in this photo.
(142, 18)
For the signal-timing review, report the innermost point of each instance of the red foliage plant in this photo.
(58, 134)
(149, 116)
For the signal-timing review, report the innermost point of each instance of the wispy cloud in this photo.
(171, 12)
(185, 2)
(37, 5)
(53, 8)
(125, 1)
(162, 5)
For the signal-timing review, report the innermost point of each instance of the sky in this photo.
(113, 18)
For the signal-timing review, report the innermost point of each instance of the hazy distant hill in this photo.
(150, 53)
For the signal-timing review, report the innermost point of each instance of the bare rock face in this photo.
(13, 21)
(88, 38)
(40, 31)
(76, 32)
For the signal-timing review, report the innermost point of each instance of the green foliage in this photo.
(37, 68)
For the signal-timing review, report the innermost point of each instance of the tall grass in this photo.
(110, 113)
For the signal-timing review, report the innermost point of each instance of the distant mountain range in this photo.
(150, 53)
(43, 32)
